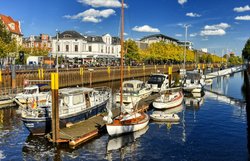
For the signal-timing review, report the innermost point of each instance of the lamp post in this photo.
(57, 41)
(185, 46)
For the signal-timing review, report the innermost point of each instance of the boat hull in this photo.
(41, 126)
(168, 105)
(121, 129)
(166, 117)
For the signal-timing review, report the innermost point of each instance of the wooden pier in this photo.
(86, 130)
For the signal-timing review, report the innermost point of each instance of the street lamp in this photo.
(185, 46)
(57, 41)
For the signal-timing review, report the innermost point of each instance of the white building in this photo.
(157, 38)
(74, 45)
(189, 44)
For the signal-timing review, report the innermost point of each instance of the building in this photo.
(205, 50)
(72, 44)
(157, 38)
(41, 41)
(188, 44)
(14, 27)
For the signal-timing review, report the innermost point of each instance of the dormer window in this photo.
(12, 26)
(67, 36)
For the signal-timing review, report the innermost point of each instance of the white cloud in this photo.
(217, 32)
(242, 9)
(92, 15)
(217, 26)
(193, 35)
(245, 18)
(102, 3)
(182, 1)
(191, 14)
(145, 28)
(178, 35)
(125, 34)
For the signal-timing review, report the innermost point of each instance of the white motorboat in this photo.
(133, 91)
(194, 82)
(75, 104)
(158, 82)
(167, 101)
(32, 94)
(162, 116)
(127, 123)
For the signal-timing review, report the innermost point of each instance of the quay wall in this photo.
(13, 81)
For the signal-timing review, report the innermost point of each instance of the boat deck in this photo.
(88, 129)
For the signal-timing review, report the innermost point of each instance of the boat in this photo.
(158, 82)
(194, 82)
(133, 91)
(31, 94)
(167, 101)
(128, 121)
(75, 104)
(162, 116)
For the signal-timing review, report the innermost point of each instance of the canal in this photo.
(212, 127)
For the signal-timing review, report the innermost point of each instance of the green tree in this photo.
(246, 51)
(131, 50)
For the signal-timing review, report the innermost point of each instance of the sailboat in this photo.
(127, 121)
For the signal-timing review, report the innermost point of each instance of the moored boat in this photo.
(127, 123)
(162, 116)
(158, 82)
(133, 91)
(194, 82)
(167, 101)
(75, 104)
(32, 94)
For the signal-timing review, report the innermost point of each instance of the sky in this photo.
(221, 26)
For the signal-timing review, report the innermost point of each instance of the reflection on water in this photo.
(209, 129)
(124, 144)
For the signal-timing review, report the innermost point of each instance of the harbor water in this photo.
(212, 127)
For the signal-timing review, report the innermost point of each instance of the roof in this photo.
(97, 39)
(70, 34)
(8, 21)
(159, 35)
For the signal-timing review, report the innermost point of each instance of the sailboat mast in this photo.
(122, 51)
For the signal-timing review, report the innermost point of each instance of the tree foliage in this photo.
(246, 50)
(131, 50)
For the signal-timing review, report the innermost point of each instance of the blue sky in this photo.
(215, 24)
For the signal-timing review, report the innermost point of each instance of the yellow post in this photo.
(170, 75)
(1, 79)
(55, 106)
(39, 74)
(42, 73)
(81, 75)
(199, 68)
(164, 66)
(203, 68)
(108, 71)
(155, 68)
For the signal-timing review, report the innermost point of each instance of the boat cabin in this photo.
(133, 86)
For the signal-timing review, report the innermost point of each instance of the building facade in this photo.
(188, 44)
(14, 27)
(72, 44)
(157, 38)
(41, 41)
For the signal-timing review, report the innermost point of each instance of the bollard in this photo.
(1, 79)
(129, 71)
(169, 75)
(143, 68)
(199, 68)
(13, 77)
(108, 71)
(81, 74)
(55, 106)
(203, 68)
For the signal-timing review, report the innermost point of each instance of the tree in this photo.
(131, 50)
(246, 51)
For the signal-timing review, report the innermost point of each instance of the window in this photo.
(90, 48)
(67, 48)
(76, 48)
(58, 47)
(112, 50)
(77, 99)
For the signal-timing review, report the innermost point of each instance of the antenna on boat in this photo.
(122, 52)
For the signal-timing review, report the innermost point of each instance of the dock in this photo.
(86, 130)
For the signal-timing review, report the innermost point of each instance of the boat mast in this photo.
(122, 52)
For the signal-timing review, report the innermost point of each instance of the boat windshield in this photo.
(155, 79)
(29, 91)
